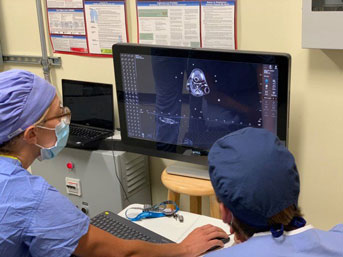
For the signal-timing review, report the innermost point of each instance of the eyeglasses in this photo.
(65, 116)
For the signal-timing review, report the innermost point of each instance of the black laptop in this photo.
(91, 105)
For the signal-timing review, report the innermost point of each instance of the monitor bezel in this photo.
(189, 154)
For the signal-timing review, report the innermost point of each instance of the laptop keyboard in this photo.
(125, 229)
(84, 132)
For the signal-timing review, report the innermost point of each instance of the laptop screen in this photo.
(91, 103)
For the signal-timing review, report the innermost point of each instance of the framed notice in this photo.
(218, 24)
(174, 23)
(192, 23)
(86, 27)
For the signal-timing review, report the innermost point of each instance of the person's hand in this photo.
(202, 239)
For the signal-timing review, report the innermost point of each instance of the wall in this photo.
(266, 25)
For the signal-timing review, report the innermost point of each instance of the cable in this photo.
(115, 171)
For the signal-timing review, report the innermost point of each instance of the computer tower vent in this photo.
(135, 173)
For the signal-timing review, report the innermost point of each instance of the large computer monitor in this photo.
(176, 102)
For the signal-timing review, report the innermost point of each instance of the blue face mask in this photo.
(62, 133)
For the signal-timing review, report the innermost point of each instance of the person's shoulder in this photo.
(35, 183)
(23, 184)
(20, 197)
(338, 228)
(10, 167)
(252, 247)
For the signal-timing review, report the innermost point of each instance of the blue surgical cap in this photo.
(24, 97)
(253, 175)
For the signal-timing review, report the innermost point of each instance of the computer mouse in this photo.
(224, 240)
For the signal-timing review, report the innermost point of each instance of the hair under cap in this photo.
(24, 97)
(254, 175)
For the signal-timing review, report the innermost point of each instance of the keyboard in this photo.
(84, 132)
(125, 229)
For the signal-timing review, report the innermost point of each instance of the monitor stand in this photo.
(197, 171)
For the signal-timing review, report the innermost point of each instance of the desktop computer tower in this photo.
(100, 180)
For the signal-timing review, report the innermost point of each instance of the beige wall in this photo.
(268, 25)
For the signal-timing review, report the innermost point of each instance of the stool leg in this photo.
(173, 196)
(195, 204)
(214, 207)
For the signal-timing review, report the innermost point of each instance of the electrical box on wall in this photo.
(73, 186)
(322, 24)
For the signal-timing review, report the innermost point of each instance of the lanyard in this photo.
(155, 211)
(11, 157)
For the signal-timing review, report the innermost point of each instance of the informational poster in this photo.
(218, 24)
(64, 3)
(63, 43)
(193, 23)
(86, 27)
(67, 21)
(175, 23)
(105, 25)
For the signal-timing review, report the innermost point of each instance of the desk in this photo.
(176, 230)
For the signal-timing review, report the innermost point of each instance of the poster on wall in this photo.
(105, 25)
(64, 3)
(218, 24)
(175, 23)
(192, 23)
(86, 27)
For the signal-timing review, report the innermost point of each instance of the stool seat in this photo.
(187, 185)
(194, 187)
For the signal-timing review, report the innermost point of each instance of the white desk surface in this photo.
(174, 229)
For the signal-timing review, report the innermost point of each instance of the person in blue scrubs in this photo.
(35, 219)
(257, 184)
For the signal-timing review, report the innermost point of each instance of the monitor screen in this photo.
(181, 100)
(91, 104)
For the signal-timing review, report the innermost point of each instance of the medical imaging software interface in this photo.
(193, 102)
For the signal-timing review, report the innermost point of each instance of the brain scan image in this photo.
(197, 84)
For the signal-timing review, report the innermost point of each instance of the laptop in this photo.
(91, 105)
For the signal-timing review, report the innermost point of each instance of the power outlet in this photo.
(73, 186)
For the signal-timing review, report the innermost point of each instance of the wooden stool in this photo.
(195, 188)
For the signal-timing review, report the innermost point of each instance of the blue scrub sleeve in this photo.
(56, 226)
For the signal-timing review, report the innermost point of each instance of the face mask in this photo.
(62, 133)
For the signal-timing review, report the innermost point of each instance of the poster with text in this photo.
(218, 24)
(105, 25)
(175, 23)
(86, 27)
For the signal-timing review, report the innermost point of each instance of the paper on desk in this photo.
(176, 230)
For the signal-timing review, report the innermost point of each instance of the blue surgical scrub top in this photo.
(302, 242)
(35, 219)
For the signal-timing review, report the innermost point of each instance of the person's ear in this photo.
(225, 213)
(30, 135)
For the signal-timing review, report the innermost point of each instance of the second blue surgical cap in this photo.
(24, 97)
(254, 175)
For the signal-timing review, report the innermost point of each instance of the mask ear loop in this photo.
(42, 127)
(231, 221)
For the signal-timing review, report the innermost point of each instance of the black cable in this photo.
(115, 171)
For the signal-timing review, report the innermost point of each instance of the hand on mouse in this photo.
(203, 238)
